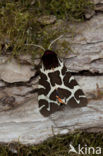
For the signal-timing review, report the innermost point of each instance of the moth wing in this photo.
(57, 89)
(77, 97)
(47, 106)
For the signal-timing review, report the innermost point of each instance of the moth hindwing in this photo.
(57, 88)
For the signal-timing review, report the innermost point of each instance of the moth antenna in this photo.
(55, 41)
(39, 46)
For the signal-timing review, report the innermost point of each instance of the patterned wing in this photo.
(58, 88)
(77, 97)
(47, 92)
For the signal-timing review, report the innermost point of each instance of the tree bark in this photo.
(20, 119)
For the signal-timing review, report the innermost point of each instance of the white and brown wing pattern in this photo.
(57, 88)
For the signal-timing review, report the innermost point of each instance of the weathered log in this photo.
(20, 119)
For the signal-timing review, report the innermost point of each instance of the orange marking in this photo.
(59, 99)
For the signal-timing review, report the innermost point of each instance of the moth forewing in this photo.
(57, 88)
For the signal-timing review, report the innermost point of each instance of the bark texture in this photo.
(20, 119)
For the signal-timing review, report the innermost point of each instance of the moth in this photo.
(57, 87)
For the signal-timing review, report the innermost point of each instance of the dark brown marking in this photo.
(64, 69)
(72, 103)
(55, 78)
(77, 93)
(53, 95)
(43, 76)
(83, 100)
(45, 84)
(66, 78)
(63, 93)
(70, 84)
(53, 108)
(44, 110)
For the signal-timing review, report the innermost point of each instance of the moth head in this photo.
(50, 59)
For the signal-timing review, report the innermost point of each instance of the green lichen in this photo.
(19, 28)
(56, 146)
